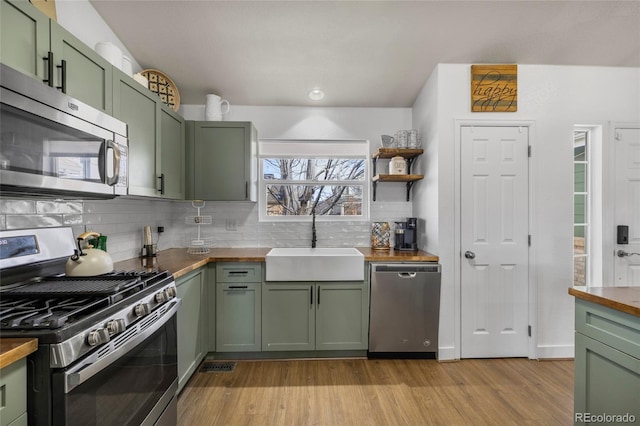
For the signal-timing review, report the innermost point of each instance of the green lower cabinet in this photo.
(342, 316)
(13, 394)
(211, 307)
(238, 317)
(192, 324)
(607, 365)
(288, 317)
(315, 316)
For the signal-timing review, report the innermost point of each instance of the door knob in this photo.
(622, 253)
(469, 254)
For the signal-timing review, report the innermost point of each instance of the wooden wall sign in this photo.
(494, 88)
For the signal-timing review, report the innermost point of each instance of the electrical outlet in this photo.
(231, 225)
(160, 229)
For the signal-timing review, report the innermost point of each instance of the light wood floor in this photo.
(381, 392)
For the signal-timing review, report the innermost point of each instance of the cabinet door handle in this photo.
(161, 177)
(238, 287)
(318, 298)
(246, 190)
(63, 76)
(49, 60)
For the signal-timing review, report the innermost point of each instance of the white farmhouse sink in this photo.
(314, 264)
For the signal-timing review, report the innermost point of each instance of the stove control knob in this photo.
(161, 297)
(116, 326)
(142, 309)
(97, 337)
(171, 292)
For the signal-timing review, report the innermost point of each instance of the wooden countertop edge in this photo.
(14, 349)
(179, 262)
(605, 301)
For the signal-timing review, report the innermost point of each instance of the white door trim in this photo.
(533, 226)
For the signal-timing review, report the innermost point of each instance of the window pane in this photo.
(579, 239)
(580, 208)
(316, 169)
(580, 146)
(580, 177)
(579, 271)
(298, 200)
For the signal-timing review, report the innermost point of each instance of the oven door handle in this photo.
(93, 364)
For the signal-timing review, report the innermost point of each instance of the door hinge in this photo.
(529, 330)
(529, 150)
(529, 240)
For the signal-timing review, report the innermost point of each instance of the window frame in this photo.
(587, 194)
(310, 149)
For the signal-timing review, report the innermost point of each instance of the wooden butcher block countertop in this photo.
(14, 349)
(178, 262)
(624, 299)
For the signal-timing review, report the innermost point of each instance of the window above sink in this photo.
(300, 176)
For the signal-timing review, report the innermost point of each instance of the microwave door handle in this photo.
(102, 163)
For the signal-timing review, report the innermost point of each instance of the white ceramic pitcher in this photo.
(213, 109)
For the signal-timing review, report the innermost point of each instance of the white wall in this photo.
(81, 19)
(554, 98)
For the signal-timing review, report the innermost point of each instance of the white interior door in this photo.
(494, 241)
(627, 204)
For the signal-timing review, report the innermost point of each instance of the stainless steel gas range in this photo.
(107, 345)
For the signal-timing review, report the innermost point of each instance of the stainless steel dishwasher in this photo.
(405, 310)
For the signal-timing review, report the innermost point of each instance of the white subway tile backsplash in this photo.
(123, 220)
(64, 207)
(33, 221)
(17, 207)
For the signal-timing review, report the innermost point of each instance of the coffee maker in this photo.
(407, 235)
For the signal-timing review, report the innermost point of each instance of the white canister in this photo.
(213, 109)
(127, 66)
(110, 52)
(398, 166)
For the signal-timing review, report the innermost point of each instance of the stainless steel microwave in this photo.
(54, 145)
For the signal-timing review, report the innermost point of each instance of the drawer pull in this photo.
(237, 287)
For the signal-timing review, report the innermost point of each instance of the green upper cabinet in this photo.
(172, 146)
(87, 75)
(24, 37)
(221, 161)
(156, 140)
(27, 38)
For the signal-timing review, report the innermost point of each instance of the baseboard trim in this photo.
(555, 351)
(447, 354)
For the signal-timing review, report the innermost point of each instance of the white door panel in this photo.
(627, 204)
(494, 227)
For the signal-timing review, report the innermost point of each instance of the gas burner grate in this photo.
(76, 286)
(217, 367)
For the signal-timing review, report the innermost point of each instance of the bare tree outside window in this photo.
(298, 186)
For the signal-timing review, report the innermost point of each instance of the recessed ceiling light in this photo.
(316, 94)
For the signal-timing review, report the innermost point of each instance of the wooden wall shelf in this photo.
(409, 154)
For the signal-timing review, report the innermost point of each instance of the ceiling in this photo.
(361, 53)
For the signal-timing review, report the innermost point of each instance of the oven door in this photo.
(134, 385)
